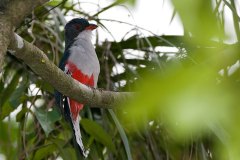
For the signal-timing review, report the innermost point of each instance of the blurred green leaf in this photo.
(8, 134)
(6, 110)
(131, 2)
(60, 144)
(8, 106)
(188, 100)
(198, 19)
(53, 145)
(6, 93)
(141, 43)
(69, 153)
(47, 119)
(19, 94)
(44, 151)
(21, 114)
(122, 134)
(45, 86)
(54, 3)
(95, 130)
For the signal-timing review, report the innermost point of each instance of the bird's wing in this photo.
(62, 101)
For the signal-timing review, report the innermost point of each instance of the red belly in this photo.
(83, 78)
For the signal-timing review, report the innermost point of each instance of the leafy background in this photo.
(187, 101)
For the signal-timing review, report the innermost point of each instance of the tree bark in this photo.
(5, 31)
(11, 15)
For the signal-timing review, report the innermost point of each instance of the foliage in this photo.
(186, 106)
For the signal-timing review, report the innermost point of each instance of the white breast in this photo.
(83, 55)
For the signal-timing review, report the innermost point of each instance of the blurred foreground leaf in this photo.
(188, 99)
(198, 19)
(98, 133)
(190, 102)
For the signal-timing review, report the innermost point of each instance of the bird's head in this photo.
(74, 27)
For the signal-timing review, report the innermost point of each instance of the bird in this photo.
(79, 61)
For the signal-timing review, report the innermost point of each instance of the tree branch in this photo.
(12, 14)
(41, 65)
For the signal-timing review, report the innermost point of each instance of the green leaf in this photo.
(122, 134)
(10, 96)
(44, 151)
(21, 114)
(95, 130)
(55, 144)
(54, 3)
(131, 2)
(47, 119)
(8, 132)
(7, 92)
(187, 100)
(198, 19)
(68, 154)
(18, 95)
(133, 42)
(60, 144)
(45, 86)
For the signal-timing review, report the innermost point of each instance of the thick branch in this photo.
(5, 31)
(41, 65)
(17, 10)
(11, 16)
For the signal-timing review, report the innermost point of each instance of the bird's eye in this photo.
(77, 26)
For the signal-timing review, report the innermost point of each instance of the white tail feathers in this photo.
(78, 136)
(77, 132)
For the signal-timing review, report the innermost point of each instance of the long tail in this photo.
(63, 103)
(78, 137)
(75, 122)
